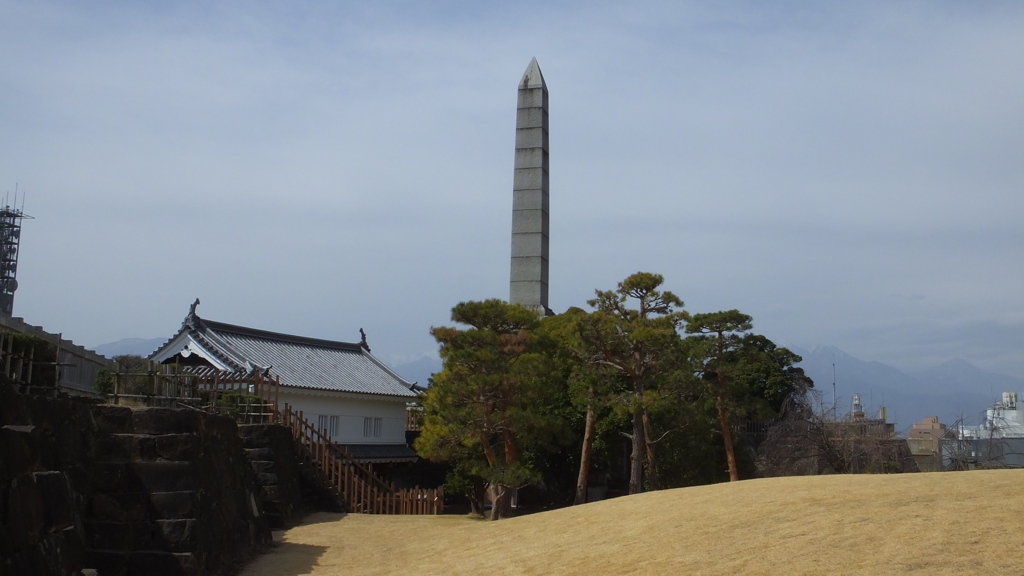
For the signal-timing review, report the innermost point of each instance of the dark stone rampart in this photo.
(123, 492)
(271, 453)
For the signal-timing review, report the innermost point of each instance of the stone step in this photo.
(113, 419)
(252, 441)
(167, 421)
(142, 563)
(161, 476)
(54, 553)
(131, 506)
(267, 479)
(156, 535)
(274, 520)
(35, 504)
(259, 454)
(19, 450)
(259, 466)
(146, 447)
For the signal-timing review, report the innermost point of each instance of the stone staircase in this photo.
(148, 514)
(287, 488)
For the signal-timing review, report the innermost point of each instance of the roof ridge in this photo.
(220, 349)
(280, 336)
(408, 383)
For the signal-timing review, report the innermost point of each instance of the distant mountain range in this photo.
(952, 390)
(135, 346)
(419, 371)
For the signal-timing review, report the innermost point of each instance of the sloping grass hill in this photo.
(940, 523)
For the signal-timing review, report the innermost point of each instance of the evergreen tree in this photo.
(491, 401)
(638, 348)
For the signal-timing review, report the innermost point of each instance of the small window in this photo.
(328, 425)
(372, 427)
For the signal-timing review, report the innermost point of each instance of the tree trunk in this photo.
(723, 422)
(489, 455)
(636, 458)
(588, 444)
(652, 469)
(476, 502)
(499, 501)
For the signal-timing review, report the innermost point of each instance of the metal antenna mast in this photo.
(10, 238)
(833, 382)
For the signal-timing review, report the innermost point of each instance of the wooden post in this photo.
(216, 391)
(277, 390)
(7, 357)
(31, 359)
(19, 363)
(56, 367)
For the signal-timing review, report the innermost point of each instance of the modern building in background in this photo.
(924, 442)
(998, 442)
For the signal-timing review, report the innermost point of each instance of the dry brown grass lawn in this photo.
(941, 523)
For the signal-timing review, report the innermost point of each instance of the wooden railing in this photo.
(249, 397)
(253, 398)
(17, 367)
(354, 482)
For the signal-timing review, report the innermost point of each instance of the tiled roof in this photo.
(298, 361)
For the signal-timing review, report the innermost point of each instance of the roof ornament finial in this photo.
(362, 340)
(192, 320)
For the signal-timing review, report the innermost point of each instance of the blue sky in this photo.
(846, 173)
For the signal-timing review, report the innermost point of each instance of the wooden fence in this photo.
(250, 398)
(17, 367)
(356, 483)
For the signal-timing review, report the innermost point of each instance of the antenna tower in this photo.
(10, 237)
(833, 382)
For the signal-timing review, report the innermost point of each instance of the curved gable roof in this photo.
(298, 361)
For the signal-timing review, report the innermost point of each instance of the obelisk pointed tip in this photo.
(532, 78)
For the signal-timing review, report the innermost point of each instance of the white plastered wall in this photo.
(351, 411)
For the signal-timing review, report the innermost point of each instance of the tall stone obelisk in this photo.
(529, 278)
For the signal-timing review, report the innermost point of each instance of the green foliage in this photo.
(104, 383)
(759, 378)
(630, 347)
(237, 404)
(746, 375)
(131, 373)
(41, 353)
(766, 377)
(491, 404)
(521, 399)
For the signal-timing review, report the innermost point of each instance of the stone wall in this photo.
(271, 452)
(172, 493)
(44, 450)
(154, 491)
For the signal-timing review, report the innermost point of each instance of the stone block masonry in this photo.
(155, 491)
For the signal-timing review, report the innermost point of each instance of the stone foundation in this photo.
(155, 491)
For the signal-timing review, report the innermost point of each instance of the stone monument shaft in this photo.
(529, 278)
